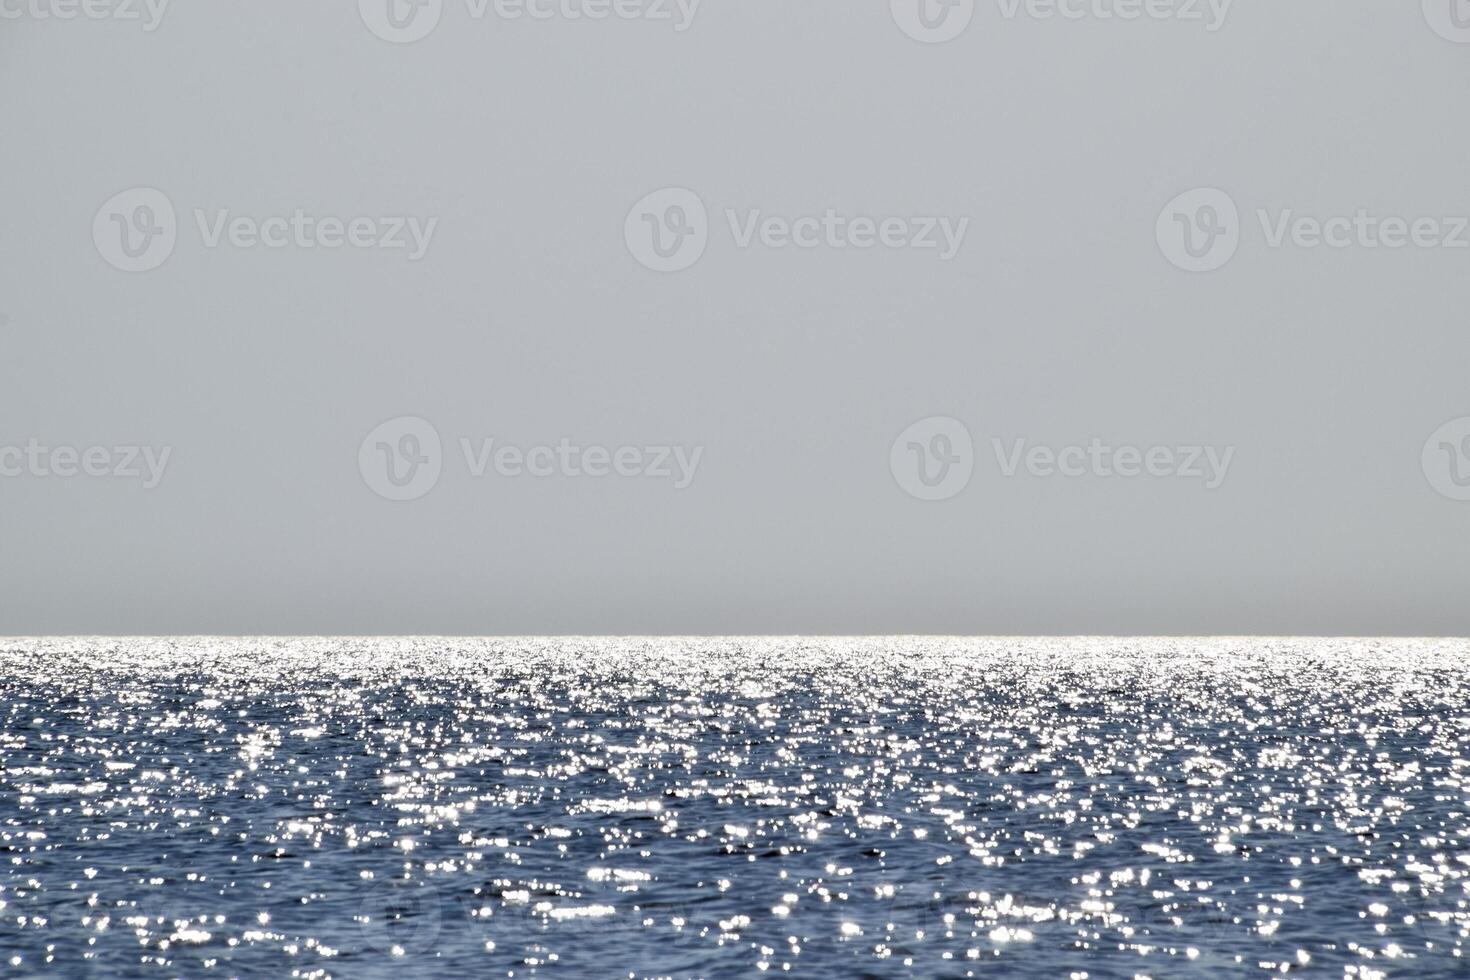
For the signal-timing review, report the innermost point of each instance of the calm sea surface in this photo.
(821, 808)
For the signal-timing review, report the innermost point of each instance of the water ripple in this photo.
(1082, 808)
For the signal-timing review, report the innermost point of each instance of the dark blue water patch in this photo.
(389, 808)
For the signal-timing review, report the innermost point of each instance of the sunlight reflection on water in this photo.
(710, 807)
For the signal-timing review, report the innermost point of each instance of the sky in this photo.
(761, 317)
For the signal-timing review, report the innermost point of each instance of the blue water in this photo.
(1082, 808)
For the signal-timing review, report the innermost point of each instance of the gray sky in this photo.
(756, 299)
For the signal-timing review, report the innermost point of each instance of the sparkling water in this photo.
(883, 807)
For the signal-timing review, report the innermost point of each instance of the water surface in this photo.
(386, 808)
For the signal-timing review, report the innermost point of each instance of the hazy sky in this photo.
(764, 317)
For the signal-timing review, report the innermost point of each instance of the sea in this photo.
(859, 807)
